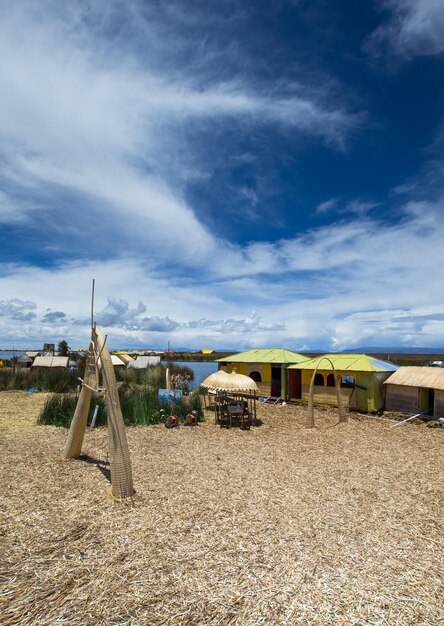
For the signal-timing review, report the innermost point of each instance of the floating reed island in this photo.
(277, 525)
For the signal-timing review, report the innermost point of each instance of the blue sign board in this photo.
(170, 395)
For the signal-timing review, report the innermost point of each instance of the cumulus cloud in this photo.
(338, 285)
(413, 28)
(53, 317)
(18, 310)
(251, 324)
(118, 314)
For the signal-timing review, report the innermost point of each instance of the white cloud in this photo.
(91, 139)
(328, 205)
(97, 150)
(355, 282)
(414, 28)
(17, 310)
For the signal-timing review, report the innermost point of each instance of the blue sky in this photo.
(232, 176)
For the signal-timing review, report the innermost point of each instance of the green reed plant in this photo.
(56, 380)
(59, 408)
(140, 407)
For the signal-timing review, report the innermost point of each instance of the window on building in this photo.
(319, 380)
(256, 376)
(347, 381)
(331, 380)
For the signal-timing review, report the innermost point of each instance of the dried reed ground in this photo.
(277, 525)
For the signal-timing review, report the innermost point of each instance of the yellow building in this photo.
(361, 379)
(267, 367)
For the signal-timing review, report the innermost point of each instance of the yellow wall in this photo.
(362, 399)
(263, 368)
(246, 368)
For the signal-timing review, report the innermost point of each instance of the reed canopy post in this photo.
(341, 408)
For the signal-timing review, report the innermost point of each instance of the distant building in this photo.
(48, 349)
(207, 351)
(25, 361)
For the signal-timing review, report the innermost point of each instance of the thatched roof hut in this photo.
(413, 389)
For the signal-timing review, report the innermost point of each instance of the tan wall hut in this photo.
(415, 390)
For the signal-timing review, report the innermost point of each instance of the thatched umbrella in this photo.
(222, 381)
(234, 384)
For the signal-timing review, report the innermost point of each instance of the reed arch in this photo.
(342, 413)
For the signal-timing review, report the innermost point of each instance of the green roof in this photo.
(347, 362)
(263, 355)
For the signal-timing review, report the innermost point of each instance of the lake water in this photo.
(8, 354)
(201, 370)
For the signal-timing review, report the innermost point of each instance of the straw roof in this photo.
(50, 361)
(143, 361)
(124, 357)
(414, 376)
(221, 381)
(116, 360)
(347, 362)
(272, 355)
(25, 358)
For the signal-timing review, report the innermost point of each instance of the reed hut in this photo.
(267, 367)
(413, 389)
(25, 361)
(360, 376)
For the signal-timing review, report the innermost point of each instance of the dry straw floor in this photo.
(278, 525)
